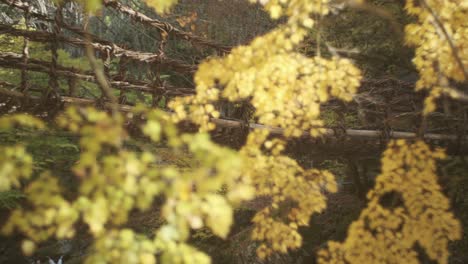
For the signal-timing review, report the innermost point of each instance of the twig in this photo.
(455, 94)
(99, 72)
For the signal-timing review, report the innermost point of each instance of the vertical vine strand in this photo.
(24, 69)
(72, 86)
(157, 84)
(122, 73)
(53, 76)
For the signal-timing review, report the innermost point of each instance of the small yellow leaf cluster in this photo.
(97, 129)
(290, 89)
(15, 163)
(193, 201)
(389, 235)
(91, 6)
(51, 214)
(24, 120)
(113, 186)
(298, 11)
(161, 6)
(178, 253)
(112, 183)
(122, 246)
(439, 23)
(158, 125)
(199, 108)
(295, 193)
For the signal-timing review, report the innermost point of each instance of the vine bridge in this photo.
(383, 109)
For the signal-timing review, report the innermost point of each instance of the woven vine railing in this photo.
(377, 97)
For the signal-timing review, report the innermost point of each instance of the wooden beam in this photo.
(350, 133)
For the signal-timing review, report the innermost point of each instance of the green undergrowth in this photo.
(57, 151)
(10, 199)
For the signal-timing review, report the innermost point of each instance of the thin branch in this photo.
(455, 94)
(24, 73)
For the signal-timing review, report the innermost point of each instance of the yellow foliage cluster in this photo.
(91, 6)
(15, 163)
(115, 180)
(295, 193)
(161, 6)
(20, 120)
(285, 87)
(51, 215)
(123, 246)
(440, 36)
(298, 11)
(389, 234)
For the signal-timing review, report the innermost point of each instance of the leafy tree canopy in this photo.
(286, 85)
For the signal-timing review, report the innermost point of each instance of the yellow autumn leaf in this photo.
(218, 215)
(161, 6)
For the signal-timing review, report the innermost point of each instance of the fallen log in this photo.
(229, 123)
